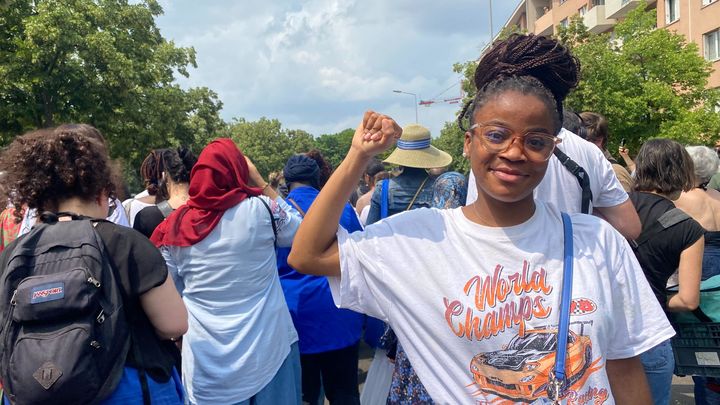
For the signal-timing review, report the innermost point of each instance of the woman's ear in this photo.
(467, 144)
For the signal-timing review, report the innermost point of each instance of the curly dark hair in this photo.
(663, 166)
(529, 64)
(46, 167)
(326, 168)
(177, 165)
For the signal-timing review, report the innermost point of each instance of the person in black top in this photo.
(663, 169)
(173, 189)
(66, 171)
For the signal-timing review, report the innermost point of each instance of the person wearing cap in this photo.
(413, 188)
(328, 336)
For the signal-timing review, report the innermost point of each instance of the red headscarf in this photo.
(217, 182)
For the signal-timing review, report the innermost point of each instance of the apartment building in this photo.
(698, 20)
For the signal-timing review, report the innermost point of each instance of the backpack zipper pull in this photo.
(93, 281)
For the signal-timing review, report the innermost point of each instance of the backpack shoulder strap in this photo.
(665, 221)
(385, 198)
(581, 176)
(165, 208)
(272, 219)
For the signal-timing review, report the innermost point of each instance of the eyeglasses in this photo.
(538, 147)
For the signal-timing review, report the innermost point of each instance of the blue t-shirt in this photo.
(320, 324)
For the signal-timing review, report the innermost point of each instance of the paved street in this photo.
(682, 391)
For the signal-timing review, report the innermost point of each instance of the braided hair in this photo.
(529, 64)
(151, 171)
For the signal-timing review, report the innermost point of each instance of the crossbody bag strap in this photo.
(272, 220)
(667, 220)
(581, 176)
(385, 198)
(557, 381)
(417, 193)
(297, 207)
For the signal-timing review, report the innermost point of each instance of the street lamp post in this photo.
(416, 103)
(492, 34)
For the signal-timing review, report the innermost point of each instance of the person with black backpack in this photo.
(88, 311)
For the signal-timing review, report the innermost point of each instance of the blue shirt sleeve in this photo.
(374, 214)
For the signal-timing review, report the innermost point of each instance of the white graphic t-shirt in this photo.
(476, 308)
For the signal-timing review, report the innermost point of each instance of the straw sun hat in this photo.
(414, 150)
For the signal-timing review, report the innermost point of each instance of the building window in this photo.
(711, 44)
(706, 2)
(582, 10)
(672, 11)
(598, 3)
(564, 23)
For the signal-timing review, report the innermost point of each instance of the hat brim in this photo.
(427, 158)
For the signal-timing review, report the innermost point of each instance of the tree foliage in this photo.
(102, 62)
(267, 143)
(648, 82)
(335, 146)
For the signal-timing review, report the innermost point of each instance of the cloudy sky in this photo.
(317, 65)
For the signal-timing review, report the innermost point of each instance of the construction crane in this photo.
(438, 100)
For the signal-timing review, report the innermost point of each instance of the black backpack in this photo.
(64, 332)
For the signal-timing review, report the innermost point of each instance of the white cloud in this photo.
(317, 65)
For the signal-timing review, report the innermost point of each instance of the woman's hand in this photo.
(254, 177)
(624, 152)
(375, 134)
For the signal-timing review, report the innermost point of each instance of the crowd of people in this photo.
(551, 273)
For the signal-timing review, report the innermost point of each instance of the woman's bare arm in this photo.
(628, 382)
(315, 249)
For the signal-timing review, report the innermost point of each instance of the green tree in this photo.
(102, 62)
(267, 143)
(335, 146)
(648, 82)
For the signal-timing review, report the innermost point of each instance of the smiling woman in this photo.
(461, 287)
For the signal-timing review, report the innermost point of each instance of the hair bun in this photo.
(538, 56)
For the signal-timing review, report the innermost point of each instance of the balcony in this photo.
(595, 20)
(544, 24)
(619, 8)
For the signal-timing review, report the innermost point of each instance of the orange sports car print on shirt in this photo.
(520, 371)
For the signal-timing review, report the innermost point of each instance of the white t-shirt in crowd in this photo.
(30, 218)
(240, 329)
(476, 308)
(133, 206)
(561, 188)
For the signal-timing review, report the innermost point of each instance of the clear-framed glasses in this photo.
(538, 146)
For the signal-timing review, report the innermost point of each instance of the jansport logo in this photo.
(582, 306)
(47, 292)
